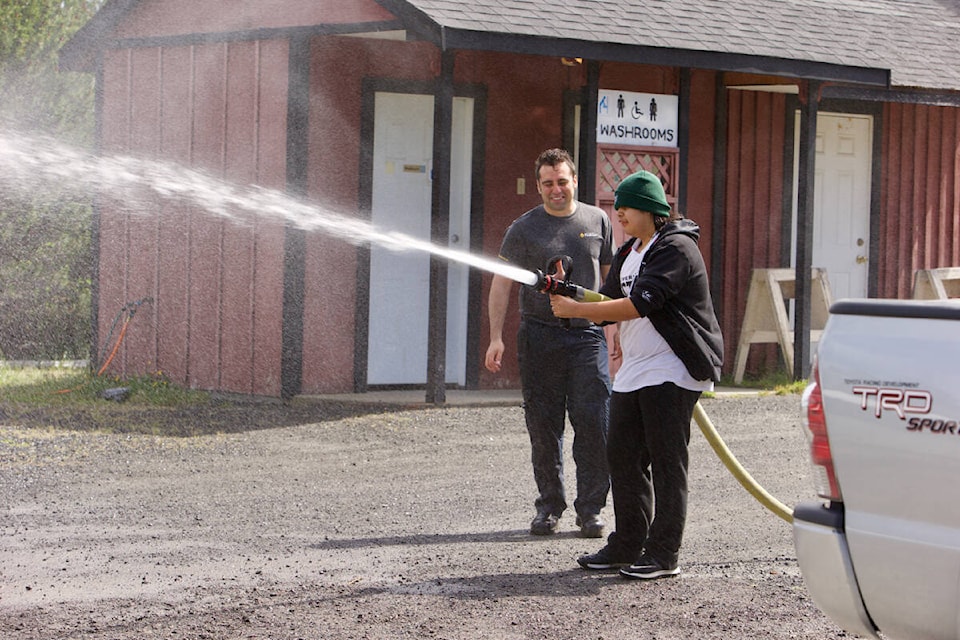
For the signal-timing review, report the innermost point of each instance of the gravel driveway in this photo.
(405, 524)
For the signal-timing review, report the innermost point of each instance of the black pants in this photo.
(647, 453)
(565, 371)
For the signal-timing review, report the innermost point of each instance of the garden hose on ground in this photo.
(731, 463)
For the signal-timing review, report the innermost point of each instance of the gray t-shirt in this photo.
(535, 237)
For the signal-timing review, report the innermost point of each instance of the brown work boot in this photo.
(590, 526)
(544, 524)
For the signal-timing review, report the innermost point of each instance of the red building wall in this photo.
(753, 209)
(920, 200)
(215, 286)
(524, 117)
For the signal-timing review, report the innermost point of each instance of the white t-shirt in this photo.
(648, 360)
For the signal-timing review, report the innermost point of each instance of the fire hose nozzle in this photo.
(550, 284)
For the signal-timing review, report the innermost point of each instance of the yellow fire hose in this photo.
(731, 463)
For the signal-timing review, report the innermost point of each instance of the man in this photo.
(672, 352)
(563, 364)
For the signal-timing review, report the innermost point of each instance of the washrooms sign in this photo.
(637, 119)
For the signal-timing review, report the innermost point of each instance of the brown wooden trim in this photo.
(294, 251)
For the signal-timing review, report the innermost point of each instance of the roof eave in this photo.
(688, 58)
(416, 22)
(80, 52)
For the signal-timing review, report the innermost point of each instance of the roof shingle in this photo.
(917, 40)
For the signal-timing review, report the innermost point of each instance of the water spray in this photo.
(40, 165)
(37, 164)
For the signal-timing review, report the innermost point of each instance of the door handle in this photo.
(861, 259)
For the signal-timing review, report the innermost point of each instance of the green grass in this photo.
(776, 383)
(77, 400)
(791, 388)
(66, 399)
(66, 386)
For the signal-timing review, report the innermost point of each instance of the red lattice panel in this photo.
(614, 163)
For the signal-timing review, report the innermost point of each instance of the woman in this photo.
(672, 351)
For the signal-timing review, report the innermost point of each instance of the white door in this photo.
(400, 281)
(841, 219)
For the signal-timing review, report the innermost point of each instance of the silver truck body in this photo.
(887, 556)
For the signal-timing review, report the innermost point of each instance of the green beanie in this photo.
(642, 190)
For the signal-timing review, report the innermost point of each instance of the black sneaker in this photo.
(544, 524)
(591, 526)
(647, 568)
(606, 558)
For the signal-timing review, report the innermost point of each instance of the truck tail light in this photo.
(816, 431)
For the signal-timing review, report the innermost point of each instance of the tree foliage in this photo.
(45, 255)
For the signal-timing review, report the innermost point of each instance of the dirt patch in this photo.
(365, 522)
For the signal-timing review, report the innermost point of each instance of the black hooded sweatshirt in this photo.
(671, 289)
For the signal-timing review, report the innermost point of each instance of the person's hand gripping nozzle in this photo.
(554, 280)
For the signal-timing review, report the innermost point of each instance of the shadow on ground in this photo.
(219, 415)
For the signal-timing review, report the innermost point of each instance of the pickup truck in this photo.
(880, 550)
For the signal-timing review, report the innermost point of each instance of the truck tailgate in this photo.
(892, 407)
